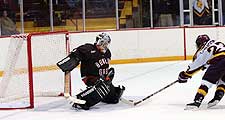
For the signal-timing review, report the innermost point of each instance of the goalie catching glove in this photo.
(183, 77)
(109, 77)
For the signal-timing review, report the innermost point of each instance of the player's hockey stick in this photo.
(140, 101)
(133, 103)
(129, 102)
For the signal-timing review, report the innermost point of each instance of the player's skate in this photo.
(197, 102)
(192, 106)
(212, 103)
(218, 96)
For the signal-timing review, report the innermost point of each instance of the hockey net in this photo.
(30, 69)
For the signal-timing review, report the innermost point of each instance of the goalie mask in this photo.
(102, 42)
(201, 40)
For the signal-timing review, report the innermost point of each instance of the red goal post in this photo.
(30, 69)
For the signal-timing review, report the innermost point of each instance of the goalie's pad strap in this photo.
(114, 94)
(102, 88)
(68, 63)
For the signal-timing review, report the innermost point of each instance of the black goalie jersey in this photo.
(93, 62)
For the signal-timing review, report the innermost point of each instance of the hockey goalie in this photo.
(95, 72)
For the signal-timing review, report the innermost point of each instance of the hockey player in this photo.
(95, 72)
(210, 55)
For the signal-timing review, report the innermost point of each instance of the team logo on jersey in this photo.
(200, 7)
(101, 62)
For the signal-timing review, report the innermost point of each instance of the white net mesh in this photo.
(15, 83)
(48, 80)
(47, 50)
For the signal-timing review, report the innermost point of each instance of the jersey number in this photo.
(214, 48)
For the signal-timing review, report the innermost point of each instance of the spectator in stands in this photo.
(202, 12)
(165, 8)
(8, 27)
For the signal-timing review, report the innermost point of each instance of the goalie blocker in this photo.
(68, 63)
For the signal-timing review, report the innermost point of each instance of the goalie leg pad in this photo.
(93, 95)
(114, 94)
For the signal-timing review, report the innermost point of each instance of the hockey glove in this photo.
(68, 63)
(183, 77)
(109, 77)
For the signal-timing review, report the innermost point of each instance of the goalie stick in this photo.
(73, 99)
(67, 81)
(133, 103)
(67, 91)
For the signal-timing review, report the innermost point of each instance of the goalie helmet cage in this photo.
(28, 54)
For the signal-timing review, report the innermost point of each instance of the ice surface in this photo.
(140, 81)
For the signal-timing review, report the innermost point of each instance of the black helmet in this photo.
(201, 40)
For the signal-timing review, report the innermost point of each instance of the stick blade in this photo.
(73, 99)
(129, 102)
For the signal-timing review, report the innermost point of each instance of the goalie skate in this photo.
(78, 106)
